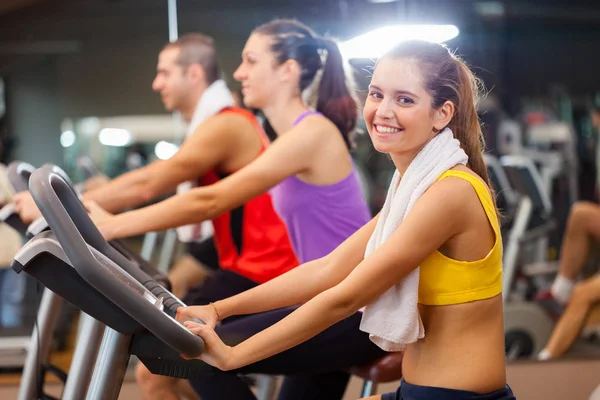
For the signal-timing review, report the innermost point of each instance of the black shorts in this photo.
(218, 286)
(205, 253)
(408, 391)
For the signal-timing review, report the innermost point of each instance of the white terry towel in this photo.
(393, 320)
(215, 98)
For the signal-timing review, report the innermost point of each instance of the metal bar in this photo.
(148, 246)
(39, 347)
(82, 364)
(266, 386)
(512, 250)
(173, 32)
(167, 250)
(111, 366)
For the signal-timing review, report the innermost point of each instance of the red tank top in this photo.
(252, 240)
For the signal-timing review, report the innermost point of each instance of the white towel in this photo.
(393, 320)
(215, 98)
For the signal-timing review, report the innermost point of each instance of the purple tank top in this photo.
(320, 218)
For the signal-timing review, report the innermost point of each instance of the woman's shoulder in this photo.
(319, 131)
(317, 122)
(464, 170)
(453, 186)
(465, 187)
(459, 186)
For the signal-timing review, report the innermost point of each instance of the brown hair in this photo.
(195, 48)
(293, 40)
(447, 78)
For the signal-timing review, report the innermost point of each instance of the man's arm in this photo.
(211, 145)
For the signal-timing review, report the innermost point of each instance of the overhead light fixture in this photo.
(375, 43)
(165, 150)
(67, 139)
(115, 137)
(491, 9)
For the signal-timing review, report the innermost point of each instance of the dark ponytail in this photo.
(465, 125)
(294, 40)
(334, 99)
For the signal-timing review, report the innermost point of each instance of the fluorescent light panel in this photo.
(375, 43)
(115, 137)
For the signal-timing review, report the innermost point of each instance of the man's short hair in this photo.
(196, 48)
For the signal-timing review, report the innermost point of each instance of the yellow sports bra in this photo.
(445, 281)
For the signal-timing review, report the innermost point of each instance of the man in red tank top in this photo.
(251, 244)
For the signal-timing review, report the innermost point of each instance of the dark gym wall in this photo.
(105, 79)
(108, 80)
(567, 55)
(34, 113)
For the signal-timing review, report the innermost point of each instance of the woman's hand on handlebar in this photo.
(216, 353)
(100, 217)
(208, 314)
(26, 207)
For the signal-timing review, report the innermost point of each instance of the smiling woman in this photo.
(398, 106)
(420, 88)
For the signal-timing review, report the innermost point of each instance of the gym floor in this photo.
(569, 379)
(572, 378)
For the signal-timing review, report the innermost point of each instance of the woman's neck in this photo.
(403, 160)
(281, 115)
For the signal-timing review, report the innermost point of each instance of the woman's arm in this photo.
(285, 290)
(418, 236)
(292, 153)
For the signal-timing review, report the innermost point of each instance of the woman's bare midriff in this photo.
(463, 347)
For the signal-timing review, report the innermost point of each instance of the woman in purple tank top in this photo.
(316, 191)
(318, 195)
(319, 217)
